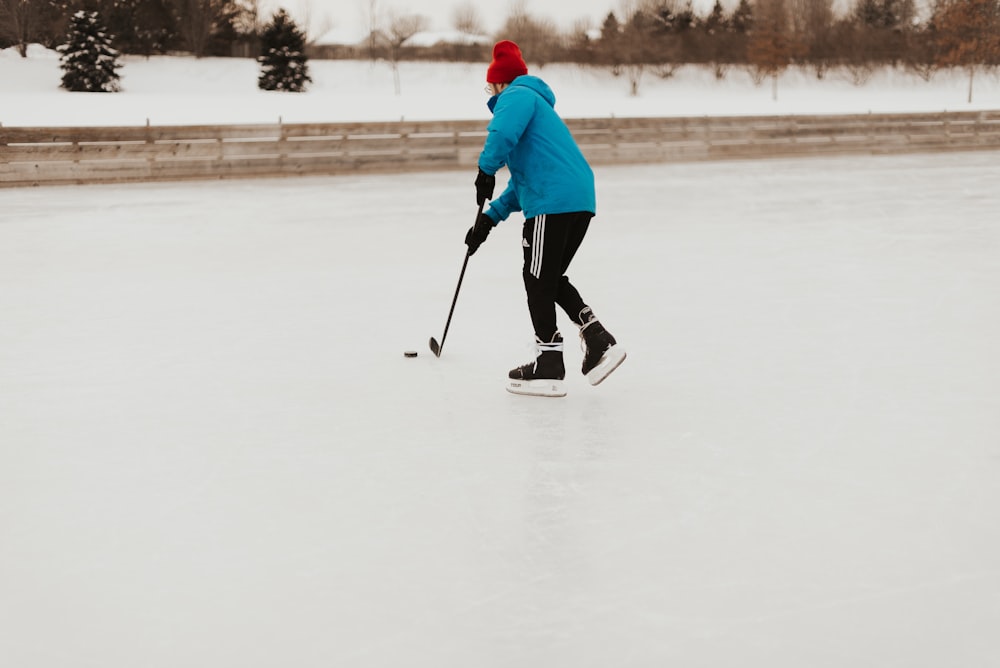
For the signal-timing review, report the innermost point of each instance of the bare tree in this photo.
(634, 44)
(673, 42)
(312, 22)
(202, 21)
(401, 28)
(248, 25)
(374, 20)
(21, 22)
(772, 45)
(249, 21)
(968, 35)
(580, 41)
(466, 19)
(714, 28)
(880, 29)
(195, 24)
(812, 23)
(538, 38)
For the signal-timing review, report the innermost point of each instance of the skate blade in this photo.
(537, 388)
(612, 359)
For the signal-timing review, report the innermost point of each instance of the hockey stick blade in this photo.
(435, 348)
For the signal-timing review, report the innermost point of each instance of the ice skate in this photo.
(601, 353)
(543, 377)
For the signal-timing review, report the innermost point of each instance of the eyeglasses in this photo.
(488, 89)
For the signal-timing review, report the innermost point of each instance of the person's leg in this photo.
(567, 296)
(550, 243)
(545, 243)
(602, 354)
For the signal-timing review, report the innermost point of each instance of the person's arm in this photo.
(511, 116)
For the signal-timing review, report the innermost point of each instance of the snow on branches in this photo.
(283, 65)
(87, 58)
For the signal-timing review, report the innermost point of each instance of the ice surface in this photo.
(213, 453)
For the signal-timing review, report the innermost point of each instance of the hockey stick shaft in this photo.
(435, 346)
(453, 302)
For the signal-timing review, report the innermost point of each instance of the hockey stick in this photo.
(435, 346)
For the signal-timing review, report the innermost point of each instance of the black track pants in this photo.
(550, 242)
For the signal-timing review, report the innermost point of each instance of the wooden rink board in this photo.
(80, 155)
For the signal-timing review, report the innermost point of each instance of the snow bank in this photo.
(170, 90)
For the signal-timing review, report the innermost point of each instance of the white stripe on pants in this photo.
(537, 246)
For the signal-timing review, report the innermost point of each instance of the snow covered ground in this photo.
(213, 453)
(176, 90)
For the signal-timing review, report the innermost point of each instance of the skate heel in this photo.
(610, 360)
(601, 353)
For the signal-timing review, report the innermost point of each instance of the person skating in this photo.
(552, 184)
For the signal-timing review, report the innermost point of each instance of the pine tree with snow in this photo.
(89, 61)
(283, 65)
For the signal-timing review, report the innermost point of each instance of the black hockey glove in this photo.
(485, 183)
(477, 234)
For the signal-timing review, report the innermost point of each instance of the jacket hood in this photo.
(531, 83)
(537, 85)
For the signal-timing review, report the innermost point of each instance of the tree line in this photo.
(140, 27)
(768, 36)
(655, 36)
(90, 61)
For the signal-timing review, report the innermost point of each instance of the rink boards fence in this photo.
(77, 155)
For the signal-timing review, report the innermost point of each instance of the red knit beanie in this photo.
(507, 63)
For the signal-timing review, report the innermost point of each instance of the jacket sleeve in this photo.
(511, 116)
(501, 208)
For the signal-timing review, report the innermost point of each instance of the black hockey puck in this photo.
(410, 353)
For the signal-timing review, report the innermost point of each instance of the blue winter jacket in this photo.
(548, 173)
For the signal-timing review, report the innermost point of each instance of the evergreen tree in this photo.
(869, 14)
(141, 27)
(812, 23)
(284, 65)
(742, 18)
(609, 46)
(715, 22)
(89, 61)
(739, 27)
(884, 14)
(638, 43)
(714, 30)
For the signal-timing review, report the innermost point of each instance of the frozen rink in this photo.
(213, 453)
